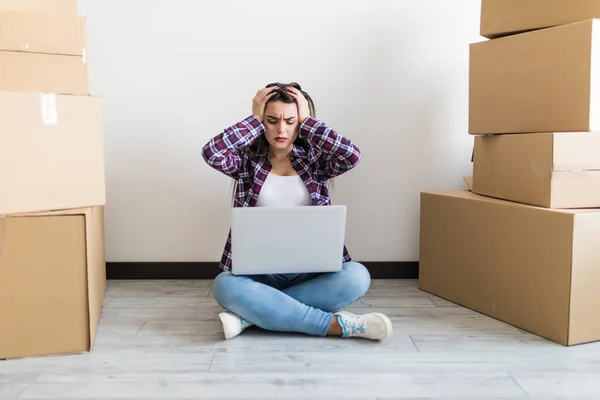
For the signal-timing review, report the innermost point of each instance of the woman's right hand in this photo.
(260, 100)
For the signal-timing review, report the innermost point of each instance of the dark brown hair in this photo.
(260, 146)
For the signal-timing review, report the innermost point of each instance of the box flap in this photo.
(71, 211)
(469, 181)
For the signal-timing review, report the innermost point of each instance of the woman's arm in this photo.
(337, 154)
(222, 151)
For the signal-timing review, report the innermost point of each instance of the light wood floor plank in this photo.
(13, 385)
(163, 340)
(261, 386)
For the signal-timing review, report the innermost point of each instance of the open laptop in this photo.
(282, 240)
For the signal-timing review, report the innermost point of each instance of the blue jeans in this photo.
(292, 302)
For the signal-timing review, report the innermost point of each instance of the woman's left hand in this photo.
(302, 103)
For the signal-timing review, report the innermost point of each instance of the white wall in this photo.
(391, 75)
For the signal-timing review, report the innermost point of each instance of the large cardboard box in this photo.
(52, 282)
(541, 81)
(534, 268)
(51, 152)
(554, 170)
(42, 33)
(47, 73)
(508, 17)
(62, 7)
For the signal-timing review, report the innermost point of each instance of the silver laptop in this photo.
(282, 240)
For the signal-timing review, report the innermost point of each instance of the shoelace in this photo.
(352, 326)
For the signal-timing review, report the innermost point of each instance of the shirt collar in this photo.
(297, 152)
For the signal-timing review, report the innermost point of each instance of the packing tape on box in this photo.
(48, 107)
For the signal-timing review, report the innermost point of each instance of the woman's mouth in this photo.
(280, 139)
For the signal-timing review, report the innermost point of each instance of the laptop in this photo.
(287, 240)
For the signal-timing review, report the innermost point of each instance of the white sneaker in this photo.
(233, 325)
(374, 326)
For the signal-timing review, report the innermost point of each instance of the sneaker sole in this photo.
(388, 325)
(227, 320)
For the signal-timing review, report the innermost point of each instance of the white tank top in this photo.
(283, 191)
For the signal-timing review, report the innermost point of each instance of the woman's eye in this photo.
(290, 122)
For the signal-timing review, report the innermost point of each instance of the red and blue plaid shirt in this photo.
(329, 155)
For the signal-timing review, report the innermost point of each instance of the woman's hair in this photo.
(260, 146)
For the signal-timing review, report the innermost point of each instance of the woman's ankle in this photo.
(335, 329)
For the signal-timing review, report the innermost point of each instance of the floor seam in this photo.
(212, 360)
(432, 302)
(143, 325)
(413, 342)
(518, 384)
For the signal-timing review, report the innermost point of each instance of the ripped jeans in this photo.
(301, 303)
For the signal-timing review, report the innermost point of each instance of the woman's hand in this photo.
(303, 109)
(260, 100)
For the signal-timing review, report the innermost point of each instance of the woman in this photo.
(282, 155)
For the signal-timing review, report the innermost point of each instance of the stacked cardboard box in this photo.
(522, 247)
(52, 187)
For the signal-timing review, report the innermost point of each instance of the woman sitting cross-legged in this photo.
(282, 155)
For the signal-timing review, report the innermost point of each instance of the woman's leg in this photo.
(302, 303)
(333, 291)
(267, 306)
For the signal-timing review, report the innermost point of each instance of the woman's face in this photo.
(281, 123)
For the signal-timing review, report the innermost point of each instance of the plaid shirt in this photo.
(330, 154)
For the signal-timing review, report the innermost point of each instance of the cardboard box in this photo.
(554, 170)
(508, 17)
(61, 7)
(47, 73)
(51, 152)
(41, 33)
(542, 81)
(52, 282)
(534, 268)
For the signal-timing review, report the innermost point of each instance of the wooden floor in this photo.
(161, 339)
